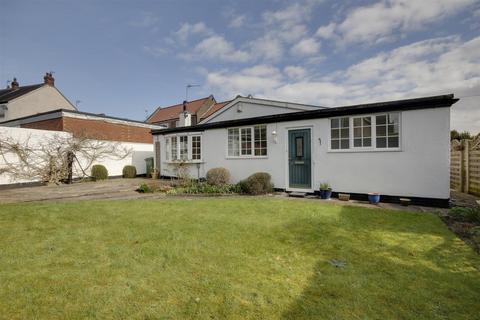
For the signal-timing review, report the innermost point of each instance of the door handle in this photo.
(299, 162)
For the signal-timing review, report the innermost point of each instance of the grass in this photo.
(235, 258)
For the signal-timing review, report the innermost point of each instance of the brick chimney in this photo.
(184, 105)
(14, 85)
(49, 79)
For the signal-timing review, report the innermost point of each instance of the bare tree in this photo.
(56, 158)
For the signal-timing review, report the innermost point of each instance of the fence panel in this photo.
(465, 166)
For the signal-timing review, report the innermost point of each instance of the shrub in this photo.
(206, 188)
(129, 172)
(144, 188)
(99, 172)
(257, 183)
(465, 214)
(218, 176)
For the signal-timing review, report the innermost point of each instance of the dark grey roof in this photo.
(10, 94)
(98, 115)
(396, 105)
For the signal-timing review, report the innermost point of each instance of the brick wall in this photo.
(51, 124)
(95, 129)
(103, 130)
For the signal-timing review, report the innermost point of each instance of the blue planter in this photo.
(373, 198)
(325, 194)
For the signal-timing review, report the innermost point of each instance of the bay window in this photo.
(247, 141)
(183, 148)
(369, 132)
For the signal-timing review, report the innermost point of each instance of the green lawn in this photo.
(235, 258)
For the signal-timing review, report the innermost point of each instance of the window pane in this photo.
(260, 145)
(367, 121)
(393, 118)
(381, 131)
(381, 142)
(335, 144)
(357, 122)
(357, 132)
(393, 142)
(392, 129)
(381, 119)
(345, 144)
(183, 148)
(167, 149)
(335, 133)
(367, 131)
(196, 148)
(357, 142)
(367, 142)
(345, 122)
(246, 138)
(335, 123)
(174, 148)
(233, 142)
(299, 147)
(344, 133)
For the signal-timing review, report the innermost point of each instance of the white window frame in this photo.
(252, 148)
(168, 152)
(373, 148)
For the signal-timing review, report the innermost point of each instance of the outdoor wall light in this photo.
(320, 141)
(274, 136)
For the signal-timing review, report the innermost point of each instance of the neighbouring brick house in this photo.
(95, 126)
(188, 113)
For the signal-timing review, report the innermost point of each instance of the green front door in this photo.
(299, 159)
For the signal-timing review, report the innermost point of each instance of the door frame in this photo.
(312, 162)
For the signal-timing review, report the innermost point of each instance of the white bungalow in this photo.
(396, 148)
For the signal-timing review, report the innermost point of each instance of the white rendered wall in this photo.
(139, 151)
(43, 99)
(420, 169)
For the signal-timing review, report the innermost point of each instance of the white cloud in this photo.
(434, 66)
(295, 72)
(187, 30)
(326, 32)
(216, 47)
(237, 21)
(305, 47)
(268, 48)
(378, 22)
(254, 80)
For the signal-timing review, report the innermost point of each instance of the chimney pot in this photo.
(49, 79)
(184, 105)
(14, 85)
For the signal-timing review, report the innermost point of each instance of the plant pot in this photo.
(154, 175)
(374, 198)
(343, 196)
(325, 194)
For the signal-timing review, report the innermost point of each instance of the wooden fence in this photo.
(465, 166)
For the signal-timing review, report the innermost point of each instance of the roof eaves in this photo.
(400, 105)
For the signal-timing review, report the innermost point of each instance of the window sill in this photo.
(364, 150)
(185, 162)
(245, 157)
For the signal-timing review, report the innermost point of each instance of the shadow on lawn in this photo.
(381, 279)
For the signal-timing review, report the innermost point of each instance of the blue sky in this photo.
(125, 58)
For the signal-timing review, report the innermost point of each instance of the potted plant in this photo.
(374, 197)
(155, 173)
(325, 191)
